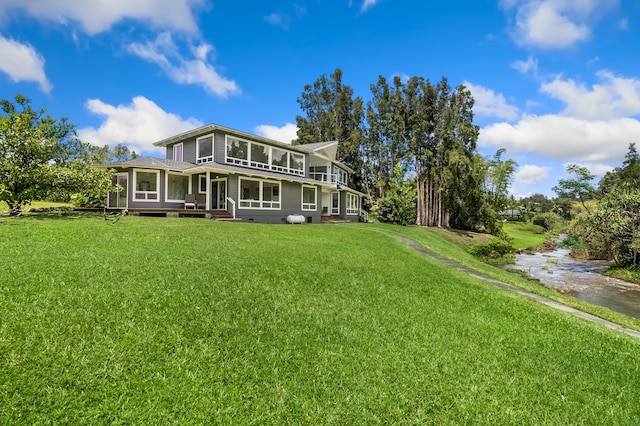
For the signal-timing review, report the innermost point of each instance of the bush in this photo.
(546, 220)
(496, 249)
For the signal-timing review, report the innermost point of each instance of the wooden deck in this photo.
(209, 214)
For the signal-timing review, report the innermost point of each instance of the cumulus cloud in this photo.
(552, 24)
(490, 103)
(97, 16)
(279, 20)
(21, 62)
(197, 70)
(560, 137)
(530, 65)
(530, 174)
(136, 125)
(286, 133)
(612, 97)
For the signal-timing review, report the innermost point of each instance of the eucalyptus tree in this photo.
(332, 113)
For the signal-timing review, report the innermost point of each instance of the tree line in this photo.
(413, 147)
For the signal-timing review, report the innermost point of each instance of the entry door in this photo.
(118, 199)
(335, 203)
(219, 194)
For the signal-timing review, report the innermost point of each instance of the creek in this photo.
(581, 279)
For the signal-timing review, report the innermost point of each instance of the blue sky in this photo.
(555, 81)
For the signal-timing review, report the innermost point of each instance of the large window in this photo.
(260, 156)
(177, 187)
(147, 184)
(259, 194)
(352, 204)
(341, 175)
(309, 198)
(237, 152)
(205, 149)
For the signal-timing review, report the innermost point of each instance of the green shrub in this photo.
(546, 220)
(497, 248)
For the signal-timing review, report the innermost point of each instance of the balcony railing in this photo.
(326, 178)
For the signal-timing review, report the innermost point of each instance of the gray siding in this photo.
(219, 147)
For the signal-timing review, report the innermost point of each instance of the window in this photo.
(279, 159)
(117, 198)
(205, 149)
(259, 156)
(309, 198)
(177, 152)
(341, 175)
(177, 187)
(202, 184)
(146, 185)
(237, 151)
(352, 204)
(259, 194)
(297, 163)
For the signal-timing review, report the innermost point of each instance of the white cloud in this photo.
(524, 67)
(285, 134)
(553, 136)
(166, 54)
(595, 168)
(97, 16)
(555, 23)
(137, 125)
(490, 103)
(279, 20)
(368, 4)
(21, 62)
(530, 174)
(612, 97)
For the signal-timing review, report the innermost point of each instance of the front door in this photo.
(335, 203)
(219, 194)
(118, 199)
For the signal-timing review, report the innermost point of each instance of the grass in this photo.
(190, 321)
(525, 235)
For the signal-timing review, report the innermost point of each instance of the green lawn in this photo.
(191, 321)
(525, 235)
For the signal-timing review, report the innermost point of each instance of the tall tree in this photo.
(332, 114)
(40, 156)
(578, 187)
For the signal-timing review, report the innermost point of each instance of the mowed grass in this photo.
(190, 321)
(525, 235)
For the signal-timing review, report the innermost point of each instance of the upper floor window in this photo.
(177, 152)
(205, 149)
(341, 175)
(260, 156)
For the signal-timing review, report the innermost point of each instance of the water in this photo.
(581, 279)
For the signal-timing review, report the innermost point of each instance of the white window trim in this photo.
(181, 152)
(309, 207)
(248, 162)
(200, 179)
(356, 210)
(337, 211)
(135, 186)
(166, 187)
(260, 201)
(208, 158)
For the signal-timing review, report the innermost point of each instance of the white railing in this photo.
(233, 206)
(323, 177)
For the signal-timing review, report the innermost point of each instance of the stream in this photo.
(581, 279)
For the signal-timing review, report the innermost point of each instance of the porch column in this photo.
(208, 195)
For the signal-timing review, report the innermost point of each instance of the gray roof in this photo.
(152, 163)
(317, 145)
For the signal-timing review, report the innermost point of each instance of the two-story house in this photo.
(215, 169)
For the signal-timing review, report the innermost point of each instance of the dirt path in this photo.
(513, 289)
